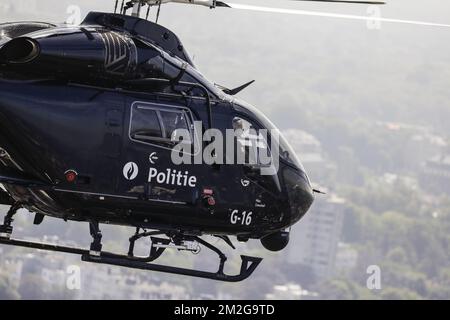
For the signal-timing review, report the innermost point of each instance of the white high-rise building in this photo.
(315, 238)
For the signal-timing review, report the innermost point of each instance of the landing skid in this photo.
(159, 245)
(248, 264)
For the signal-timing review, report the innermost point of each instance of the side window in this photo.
(145, 125)
(173, 121)
(151, 124)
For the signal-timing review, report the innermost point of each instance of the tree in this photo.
(32, 287)
(390, 293)
(336, 289)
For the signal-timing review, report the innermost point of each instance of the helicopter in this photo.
(92, 119)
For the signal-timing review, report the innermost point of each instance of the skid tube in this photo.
(248, 264)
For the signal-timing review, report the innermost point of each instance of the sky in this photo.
(331, 68)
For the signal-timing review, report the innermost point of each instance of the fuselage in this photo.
(86, 118)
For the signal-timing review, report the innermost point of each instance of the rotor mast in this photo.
(137, 5)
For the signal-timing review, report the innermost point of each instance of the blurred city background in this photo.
(367, 110)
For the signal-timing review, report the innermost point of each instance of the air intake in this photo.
(19, 50)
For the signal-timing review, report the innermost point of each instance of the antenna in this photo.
(148, 12)
(159, 11)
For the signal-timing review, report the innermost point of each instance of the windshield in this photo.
(155, 62)
(177, 63)
(210, 86)
(287, 153)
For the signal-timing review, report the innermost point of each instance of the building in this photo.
(435, 176)
(419, 143)
(314, 240)
(111, 283)
(12, 268)
(346, 258)
(290, 291)
(309, 150)
(20, 6)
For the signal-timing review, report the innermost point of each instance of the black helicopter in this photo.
(89, 117)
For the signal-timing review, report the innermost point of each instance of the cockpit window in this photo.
(210, 86)
(251, 142)
(151, 124)
(286, 152)
(145, 125)
(173, 121)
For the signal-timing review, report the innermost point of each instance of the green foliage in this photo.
(344, 289)
(31, 287)
(398, 294)
(411, 249)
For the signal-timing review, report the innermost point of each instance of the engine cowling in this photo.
(72, 54)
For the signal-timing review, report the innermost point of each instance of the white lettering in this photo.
(160, 177)
(192, 181)
(73, 281)
(153, 172)
(374, 280)
(172, 177)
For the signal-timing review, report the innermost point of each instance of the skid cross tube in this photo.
(154, 254)
(248, 264)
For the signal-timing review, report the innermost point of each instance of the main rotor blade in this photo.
(346, 1)
(332, 15)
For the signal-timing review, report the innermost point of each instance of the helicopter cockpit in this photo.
(124, 87)
(286, 152)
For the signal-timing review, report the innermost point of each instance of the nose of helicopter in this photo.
(300, 198)
(300, 193)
